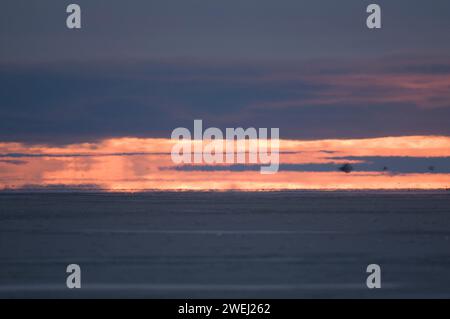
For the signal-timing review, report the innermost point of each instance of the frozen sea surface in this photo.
(225, 244)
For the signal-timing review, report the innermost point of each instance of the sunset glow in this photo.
(137, 164)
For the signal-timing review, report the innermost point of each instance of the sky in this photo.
(135, 164)
(136, 70)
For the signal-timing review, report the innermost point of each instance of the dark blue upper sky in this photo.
(219, 29)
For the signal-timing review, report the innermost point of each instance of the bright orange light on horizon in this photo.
(145, 164)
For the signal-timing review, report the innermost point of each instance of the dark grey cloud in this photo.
(12, 161)
(60, 188)
(59, 103)
(69, 155)
(392, 165)
(400, 165)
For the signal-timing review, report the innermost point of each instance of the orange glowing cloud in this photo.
(145, 164)
(421, 90)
